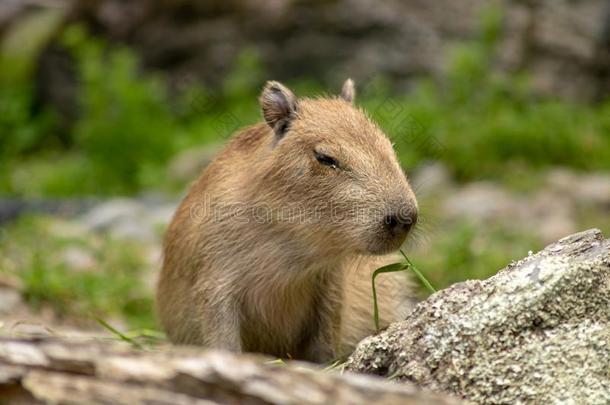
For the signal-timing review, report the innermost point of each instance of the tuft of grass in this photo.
(109, 283)
(336, 366)
(119, 334)
(142, 339)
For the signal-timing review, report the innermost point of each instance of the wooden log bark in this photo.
(63, 371)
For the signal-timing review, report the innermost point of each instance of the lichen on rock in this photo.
(538, 331)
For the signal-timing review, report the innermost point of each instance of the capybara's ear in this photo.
(279, 106)
(348, 91)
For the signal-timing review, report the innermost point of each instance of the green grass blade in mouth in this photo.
(390, 268)
(418, 273)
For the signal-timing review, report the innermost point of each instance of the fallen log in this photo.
(65, 371)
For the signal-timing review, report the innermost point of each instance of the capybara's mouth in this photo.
(385, 245)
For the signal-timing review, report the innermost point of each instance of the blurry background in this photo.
(500, 113)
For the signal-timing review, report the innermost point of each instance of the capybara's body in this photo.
(273, 248)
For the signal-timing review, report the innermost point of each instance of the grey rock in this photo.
(134, 228)
(432, 178)
(110, 213)
(547, 213)
(187, 165)
(130, 218)
(12, 208)
(480, 201)
(595, 188)
(120, 218)
(78, 258)
(587, 189)
(160, 216)
(9, 300)
(536, 332)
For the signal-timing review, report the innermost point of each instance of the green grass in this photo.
(403, 265)
(34, 250)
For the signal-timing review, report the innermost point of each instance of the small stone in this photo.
(78, 258)
(433, 178)
(188, 165)
(111, 213)
(10, 299)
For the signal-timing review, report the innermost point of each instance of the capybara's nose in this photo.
(399, 224)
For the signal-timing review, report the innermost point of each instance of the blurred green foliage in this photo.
(478, 122)
(481, 123)
(126, 127)
(106, 279)
(19, 131)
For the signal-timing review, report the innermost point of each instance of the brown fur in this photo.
(265, 252)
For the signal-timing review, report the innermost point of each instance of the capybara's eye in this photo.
(326, 160)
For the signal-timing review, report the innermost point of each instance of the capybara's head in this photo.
(333, 174)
